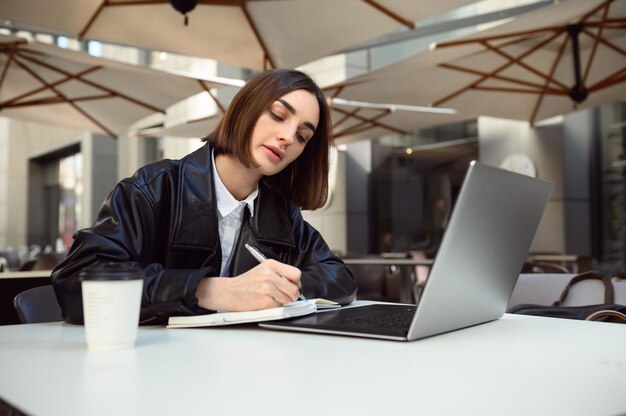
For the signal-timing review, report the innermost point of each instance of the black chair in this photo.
(11, 260)
(37, 305)
(43, 261)
(376, 282)
(543, 267)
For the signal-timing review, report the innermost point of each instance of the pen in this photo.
(261, 258)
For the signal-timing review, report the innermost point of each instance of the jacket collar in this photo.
(271, 223)
(196, 207)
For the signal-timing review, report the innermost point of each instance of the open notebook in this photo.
(482, 252)
(297, 308)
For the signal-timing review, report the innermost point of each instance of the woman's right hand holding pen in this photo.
(268, 285)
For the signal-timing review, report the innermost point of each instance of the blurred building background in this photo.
(390, 194)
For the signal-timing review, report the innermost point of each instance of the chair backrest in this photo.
(43, 261)
(543, 267)
(545, 289)
(12, 260)
(37, 305)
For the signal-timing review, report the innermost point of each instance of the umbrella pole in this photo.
(578, 92)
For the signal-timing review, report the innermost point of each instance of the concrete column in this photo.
(577, 152)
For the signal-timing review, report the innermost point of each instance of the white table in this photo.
(514, 366)
(26, 275)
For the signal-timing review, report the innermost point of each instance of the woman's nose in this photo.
(287, 134)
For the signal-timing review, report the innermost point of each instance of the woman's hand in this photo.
(268, 285)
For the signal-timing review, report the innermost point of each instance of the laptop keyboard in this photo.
(400, 318)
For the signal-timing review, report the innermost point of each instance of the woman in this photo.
(186, 222)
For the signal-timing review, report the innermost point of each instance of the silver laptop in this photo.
(482, 252)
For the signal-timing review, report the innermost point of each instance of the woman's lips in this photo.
(276, 152)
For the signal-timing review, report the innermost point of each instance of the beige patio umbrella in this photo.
(357, 120)
(186, 124)
(194, 128)
(44, 83)
(352, 121)
(567, 56)
(251, 33)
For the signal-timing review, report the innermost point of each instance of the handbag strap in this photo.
(609, 295)
(606, 313)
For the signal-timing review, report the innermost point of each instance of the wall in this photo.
(99, 173)
(4, 182)
(331, 221)
(359, 166)
(544, 144)
(22, 141)
(578, 132)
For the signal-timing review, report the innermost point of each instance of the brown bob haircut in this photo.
(305, 180)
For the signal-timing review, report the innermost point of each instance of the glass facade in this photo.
(610, 187)
(414, 183)
(70, 202)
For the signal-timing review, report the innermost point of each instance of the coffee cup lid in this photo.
(112, 271)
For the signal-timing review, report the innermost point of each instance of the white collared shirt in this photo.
(229, 216)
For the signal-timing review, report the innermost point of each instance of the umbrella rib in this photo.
(91, 97)
(596, 42)
(38, 101)
(340, 87)
(106, 3)
(45, 85)
(10, 57)
(208, 90)
(266, 54)
(593, 11)
(54, 100)
(92, 19)
(346, 116)
(384, 10)
(484, 76)
(60, 99)
(135, 2)
(606, 43)
(363, 126)
(52, 88)
(372, 120)
(351, 130)
(338, 91)
(617, 77)
(609, 23)
(497, 37)
(63, 98)
(520, 90)
(93, 120)
(519, 62)
(95, 84)
(554, 65)
(124, 96)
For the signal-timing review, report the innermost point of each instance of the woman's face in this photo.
(282, 131)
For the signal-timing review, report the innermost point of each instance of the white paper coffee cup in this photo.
(111, 304)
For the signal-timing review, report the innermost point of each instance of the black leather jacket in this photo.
(164, 218)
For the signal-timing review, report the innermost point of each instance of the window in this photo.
(71, 194)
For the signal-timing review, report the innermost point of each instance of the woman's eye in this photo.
(301, 138)
(276, 116)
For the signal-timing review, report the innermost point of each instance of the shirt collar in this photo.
(226, 202)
